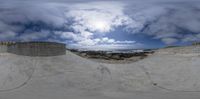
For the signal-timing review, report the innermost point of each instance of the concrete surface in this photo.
(167, 74)
(3, 48)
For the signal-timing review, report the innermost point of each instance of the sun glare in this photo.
(100, 26)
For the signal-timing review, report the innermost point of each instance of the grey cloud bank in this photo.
(85, 23)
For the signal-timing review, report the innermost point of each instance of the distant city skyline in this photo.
(102, 24)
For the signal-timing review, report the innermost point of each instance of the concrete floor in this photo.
(162, 75)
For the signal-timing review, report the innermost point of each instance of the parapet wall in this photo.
(3, 48)
(180, 50)
(37, 48)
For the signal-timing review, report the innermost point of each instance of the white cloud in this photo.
(68, 35)
(106, 44)
(97, 16)
(9, 35)
(87, 42)
(97, 43)
(169, 22)
(169, 40)
(109, 46)
(192, 38)
(32, 36)
(106, 40)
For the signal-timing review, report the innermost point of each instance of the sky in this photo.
(102, 24)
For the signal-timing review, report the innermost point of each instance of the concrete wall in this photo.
(3, 48)
(37, 49)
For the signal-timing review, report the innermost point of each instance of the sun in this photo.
(100, 26)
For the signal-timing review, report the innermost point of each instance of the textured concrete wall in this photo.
(37, 49)
(3, 48)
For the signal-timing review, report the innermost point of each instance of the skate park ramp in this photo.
(171, 73)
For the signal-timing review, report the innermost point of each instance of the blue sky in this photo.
(101, 24)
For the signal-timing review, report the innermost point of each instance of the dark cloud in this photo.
(169, 22)
(24, 19)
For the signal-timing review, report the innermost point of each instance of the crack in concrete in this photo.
(104, 70)
(23, 84)
(155, 84)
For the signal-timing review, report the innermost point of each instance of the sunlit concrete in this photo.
(171, 73)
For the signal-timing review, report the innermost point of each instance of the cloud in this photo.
(109, 46)
(9, 35)
(27, 21)
(169, 22)
(105, 43)
(33, 36)
(169, 40)
(97, 16)
(107, 40)
(194, 37)
(86, 23)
